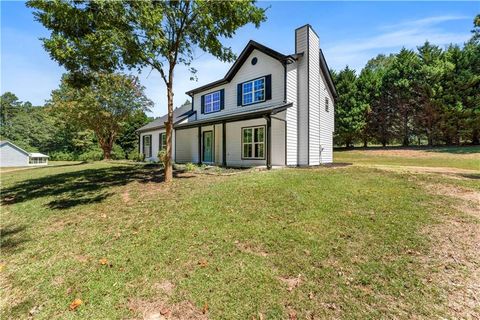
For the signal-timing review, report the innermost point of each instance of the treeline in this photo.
(429, 96)
(45, 129)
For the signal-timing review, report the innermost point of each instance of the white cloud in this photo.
(409, 34)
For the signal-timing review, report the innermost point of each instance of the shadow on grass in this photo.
(441, 149)
(71, 189)
(456, 149)
(10, 237)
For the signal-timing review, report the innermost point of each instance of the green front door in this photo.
(207, 146)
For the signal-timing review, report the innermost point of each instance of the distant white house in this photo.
(14, 156)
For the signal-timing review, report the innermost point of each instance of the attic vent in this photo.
(254, 61)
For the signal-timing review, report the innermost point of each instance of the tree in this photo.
(112, 35)
(128, 139)
(430, 90)
(103, 106)
(349, 111)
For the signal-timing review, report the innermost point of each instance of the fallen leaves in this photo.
(103, 261)
(205, 308)
(75, 304)
(203, 263)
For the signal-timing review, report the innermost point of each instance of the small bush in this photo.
(117, 152)
(190, 167)
(136, 156)
(162, 156)
(62, 156)
(91, 155)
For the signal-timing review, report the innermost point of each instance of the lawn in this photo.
(341, 242)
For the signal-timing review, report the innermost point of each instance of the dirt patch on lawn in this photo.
(251, 249)
(161, 310)
(291, 282)
(455, 253)
(412, 153)
(455, 173)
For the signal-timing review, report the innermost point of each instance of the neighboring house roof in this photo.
(38, 155)
(30, 154)
(244, 115)
(252, 45)
(179, 114)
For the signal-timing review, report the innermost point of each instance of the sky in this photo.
(350, 34)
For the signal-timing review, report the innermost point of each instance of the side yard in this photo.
(342, 242)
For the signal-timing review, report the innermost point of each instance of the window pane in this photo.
(247, 150)
(259, 96)
(259, 151)
(258, 135)
(208, 99)
(247, 98)
(216, 106)
(247, 135)
(259, 84)
(216, 96)
(208, 108)
(247, 87)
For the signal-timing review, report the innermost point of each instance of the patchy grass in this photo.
(450, 157)
(323, 243)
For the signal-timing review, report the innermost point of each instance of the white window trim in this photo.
(253, 143)
(212, 102)
(149, 145)
(253, 91)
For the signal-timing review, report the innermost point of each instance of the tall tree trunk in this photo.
(475, 136)
(168, 170)
(405, 131)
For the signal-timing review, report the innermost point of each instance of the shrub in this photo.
(190, 167)
(162, 156)
(136, 156)
(62, 156)
(117, 152)
(91, 155)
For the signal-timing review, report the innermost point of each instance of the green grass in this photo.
(449, 157)
(353, 236)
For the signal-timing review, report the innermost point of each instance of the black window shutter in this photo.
(150, 145)
(268, 87)
(239, 94)
(203, 104)
(222, 99)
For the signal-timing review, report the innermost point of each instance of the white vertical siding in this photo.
(278, 140)
(218, 143)
(291, 115)
(314, 98)
(12, 157)
(301, 45)
(186, 145)
(327, 121)
(265, 65)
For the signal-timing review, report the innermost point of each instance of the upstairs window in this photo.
(326, 104)
(253, 91)
(253, 143)
(212, 102)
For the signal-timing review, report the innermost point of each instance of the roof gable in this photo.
(252, 45)
(328, 76)
(14, 146)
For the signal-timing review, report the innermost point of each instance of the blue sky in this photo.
(350, 34)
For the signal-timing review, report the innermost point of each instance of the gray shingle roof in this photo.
(179, 114)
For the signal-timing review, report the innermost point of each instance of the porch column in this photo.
(224, 144)
(199, 145)
(269, 139)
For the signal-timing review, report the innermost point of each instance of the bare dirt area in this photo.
(456, 251)
(413, 153)
(455, 173)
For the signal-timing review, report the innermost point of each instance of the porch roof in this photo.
(237, 116)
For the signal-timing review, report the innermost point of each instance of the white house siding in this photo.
(327, 123)
(12, 157)
(301, 45)
(314, 98)
(265, 65)
(186, 147)
(218, 143)
(155, 142)
(291, 115)
(278, 140)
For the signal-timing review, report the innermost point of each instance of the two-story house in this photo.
(270, 109)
